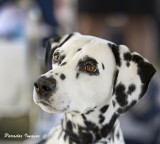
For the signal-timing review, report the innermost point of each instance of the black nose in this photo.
(45, 86)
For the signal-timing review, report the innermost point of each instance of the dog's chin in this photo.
(48, 108)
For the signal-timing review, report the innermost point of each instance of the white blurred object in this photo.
(12, 19)
(18, 46)
(13, 78)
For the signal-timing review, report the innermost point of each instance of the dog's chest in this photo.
(89, 133)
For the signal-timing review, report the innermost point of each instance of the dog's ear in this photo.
(52, 45)
(132, 77)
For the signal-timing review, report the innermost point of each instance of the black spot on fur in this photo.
(114, 103)
(64, 63)
(77, 75)
(73, 137)
(62, 57)
(90, 126)
(60, 60)
(89, 111)
(120, 110)
(62, 76)
(145, 71)
(86, 138)
(79, 49)
(131, 89)
(98, 136)
(126, 108)
(65, 136)
(127, 56)
(137, 58)
(112, 134)
(121, 96)
(115, 80)
(127, 64)
(117, 134)
(115, 50)
(56, 73)
(76, 111)
(109, 138)
(103, 66)
(101, 118)
(106, 129)
(104, 108)
(85, 133)
(84, 117)
(68, 37)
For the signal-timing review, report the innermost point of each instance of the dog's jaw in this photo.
(97, 125)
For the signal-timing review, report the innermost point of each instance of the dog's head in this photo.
(86, 72)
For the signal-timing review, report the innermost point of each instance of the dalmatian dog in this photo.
(92, 81)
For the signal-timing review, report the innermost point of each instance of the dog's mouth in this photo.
(48, 106)
(44, 103)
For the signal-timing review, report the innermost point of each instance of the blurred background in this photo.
(25, 26)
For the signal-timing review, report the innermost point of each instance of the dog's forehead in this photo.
(86, 45)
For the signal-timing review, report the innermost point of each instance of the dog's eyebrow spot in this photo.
(62, 76)
(79, 49)
(103, 66)
(64, 63)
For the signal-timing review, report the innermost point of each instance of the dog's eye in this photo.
(90, 68)
(56, 57)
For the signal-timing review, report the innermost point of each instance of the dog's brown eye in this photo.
(90, 68)
(56, 57)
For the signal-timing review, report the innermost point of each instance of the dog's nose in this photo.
(44, 85)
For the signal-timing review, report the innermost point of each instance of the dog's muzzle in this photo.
(45, 86)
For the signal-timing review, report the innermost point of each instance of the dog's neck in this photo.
(95, 125)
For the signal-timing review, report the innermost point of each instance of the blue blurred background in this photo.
(25, 26)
